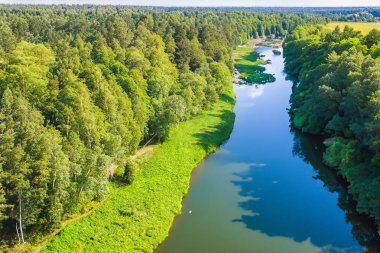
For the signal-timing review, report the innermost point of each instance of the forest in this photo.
(337, 95)
(83, 87)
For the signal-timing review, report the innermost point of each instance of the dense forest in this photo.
(355, 14)
(337, 95)
(81, 88)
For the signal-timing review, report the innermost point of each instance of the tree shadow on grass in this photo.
(214, 136)
(227, 98)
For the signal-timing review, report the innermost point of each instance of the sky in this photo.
(249, 3)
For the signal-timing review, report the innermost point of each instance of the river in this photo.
(266, 190)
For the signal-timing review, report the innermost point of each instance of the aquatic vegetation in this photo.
(250, 66)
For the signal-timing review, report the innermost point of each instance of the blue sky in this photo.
(207, 2)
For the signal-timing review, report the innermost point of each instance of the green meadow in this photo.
(364, 27)
(137, 217)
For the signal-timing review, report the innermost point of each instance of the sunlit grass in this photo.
(364, 27)
(248, 62)
(137, 217)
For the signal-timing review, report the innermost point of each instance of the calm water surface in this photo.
(266, 190)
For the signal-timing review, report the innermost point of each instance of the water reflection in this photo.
(252, 92)
(363, 228)
(276, 202)
(257, 92)
(283, 216)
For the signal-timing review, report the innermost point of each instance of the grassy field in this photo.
(248, 63)
(137, 217)
(364, 27)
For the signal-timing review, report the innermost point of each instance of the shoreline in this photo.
(138, 217)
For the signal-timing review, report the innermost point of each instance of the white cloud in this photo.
(257, 91)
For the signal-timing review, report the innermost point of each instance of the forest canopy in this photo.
(81, 88)
(337, 95)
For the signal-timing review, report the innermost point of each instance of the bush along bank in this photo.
(138, 217)
(337, 96)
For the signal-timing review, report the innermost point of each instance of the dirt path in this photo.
(65, 224)
(48, 238)
(141, 151)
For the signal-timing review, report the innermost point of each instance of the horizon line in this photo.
(186, 6)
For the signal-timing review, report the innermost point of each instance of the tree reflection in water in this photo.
(310, 149)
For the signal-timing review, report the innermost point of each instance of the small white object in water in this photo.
(275, 182)
(190, 212)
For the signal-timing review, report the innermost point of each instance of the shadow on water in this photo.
(364, 230)
(262, 214)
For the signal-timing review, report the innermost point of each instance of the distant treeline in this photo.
(337, 95)
(353, 14)
(82, 87)
(363, 14)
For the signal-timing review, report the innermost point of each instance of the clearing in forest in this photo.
(364, 27)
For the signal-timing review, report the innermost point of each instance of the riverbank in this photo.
(349, 132)
(258, 191)
(250, 65)
(138, 217)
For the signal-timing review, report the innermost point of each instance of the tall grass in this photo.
(137, 217)
(364, 27)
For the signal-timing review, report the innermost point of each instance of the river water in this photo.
(266, 190)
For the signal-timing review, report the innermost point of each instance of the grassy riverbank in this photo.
(137, 218)
(249, 64)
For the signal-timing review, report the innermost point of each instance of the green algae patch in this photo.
(250, 66)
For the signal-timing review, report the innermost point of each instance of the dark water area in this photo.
(266, 189)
